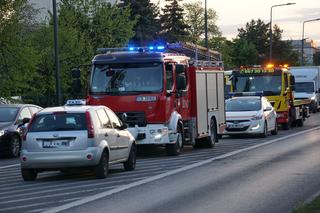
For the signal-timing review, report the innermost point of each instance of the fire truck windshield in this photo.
(269, 84)
(127, 78)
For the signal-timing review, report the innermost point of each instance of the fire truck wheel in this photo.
(175, 149)
(213, 138)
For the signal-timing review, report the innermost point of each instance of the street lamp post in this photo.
(278, 5)
(56, 52)
(302, 39)
(205, 24)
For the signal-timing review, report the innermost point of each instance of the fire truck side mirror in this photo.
(76, 82)
(75, 73)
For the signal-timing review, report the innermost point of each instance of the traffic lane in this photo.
(272, 178)
(155, 152)
(54, 188)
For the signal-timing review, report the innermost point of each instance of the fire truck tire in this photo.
(299, 122)
(213, 138)
(175, 149)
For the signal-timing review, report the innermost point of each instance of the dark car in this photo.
(12, 119)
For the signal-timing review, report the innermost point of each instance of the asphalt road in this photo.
(238, 175)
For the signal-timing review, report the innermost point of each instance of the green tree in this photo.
(225, 47)
(17, 56)
(173, 26)
(195, 18)
(244, 53)
(148, 24)
(316, 59)
(257, 33)
(84, 26)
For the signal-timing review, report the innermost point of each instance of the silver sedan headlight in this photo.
(256, 117)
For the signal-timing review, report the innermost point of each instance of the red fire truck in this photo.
(169, 95)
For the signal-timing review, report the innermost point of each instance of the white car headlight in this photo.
(2, 132)
(313, 98)
(256, 117)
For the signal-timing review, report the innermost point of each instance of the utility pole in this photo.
(56, 53)
(206, 27)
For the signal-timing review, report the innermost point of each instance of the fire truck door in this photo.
(182, 100)
(169, 82)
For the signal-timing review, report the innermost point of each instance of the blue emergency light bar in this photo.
(240, 94)
(156, 48)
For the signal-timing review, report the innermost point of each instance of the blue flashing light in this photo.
(151, 48)
(131, 48)
(160, 47)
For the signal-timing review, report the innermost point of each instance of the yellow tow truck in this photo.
(277, 85)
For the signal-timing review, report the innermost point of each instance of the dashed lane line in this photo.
(166, 174)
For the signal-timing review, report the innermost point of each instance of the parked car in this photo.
(74, 136)
(12, 119)
(250, 115)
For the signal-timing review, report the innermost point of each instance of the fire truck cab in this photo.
(167, 98)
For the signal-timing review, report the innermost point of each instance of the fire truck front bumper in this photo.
(156, 134)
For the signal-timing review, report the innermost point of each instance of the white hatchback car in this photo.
(250, 115)
(66, 137)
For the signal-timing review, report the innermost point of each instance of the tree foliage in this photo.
(316, 59)
(173, 26)
(195, 18)
(257, 33)
(26, 47)
(17, 56)
(148, 24)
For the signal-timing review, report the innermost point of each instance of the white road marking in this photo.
(10, 166)
(166, 174)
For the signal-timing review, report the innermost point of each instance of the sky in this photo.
(234, 14)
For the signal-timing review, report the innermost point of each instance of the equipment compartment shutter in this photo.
(212, 91)
(202, 110)
(220, 80)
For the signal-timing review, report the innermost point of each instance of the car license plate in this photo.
(235, 125)
(54, 144)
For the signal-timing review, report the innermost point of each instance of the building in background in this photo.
(309, 49)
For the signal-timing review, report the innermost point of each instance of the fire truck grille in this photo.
(135, 118)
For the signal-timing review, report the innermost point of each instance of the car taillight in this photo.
(24, 134)
(89, 125)
(282, 115)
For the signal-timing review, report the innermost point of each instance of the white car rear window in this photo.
(58, 122)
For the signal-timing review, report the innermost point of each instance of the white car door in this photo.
(270, 114)
(123, 138)
(107, 133)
